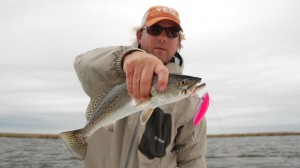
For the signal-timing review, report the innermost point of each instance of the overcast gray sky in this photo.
(246, 51)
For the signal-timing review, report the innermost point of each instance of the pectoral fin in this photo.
(146, 115)
(110, 127)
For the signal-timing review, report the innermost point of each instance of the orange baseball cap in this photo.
(158, 13)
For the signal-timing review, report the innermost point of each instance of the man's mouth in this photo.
(160, 48)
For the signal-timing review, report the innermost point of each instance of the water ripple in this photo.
(248, 152)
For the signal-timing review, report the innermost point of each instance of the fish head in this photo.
(179, 87)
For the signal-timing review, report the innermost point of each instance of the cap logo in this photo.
(166, 10)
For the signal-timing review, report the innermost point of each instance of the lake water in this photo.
(242, 152)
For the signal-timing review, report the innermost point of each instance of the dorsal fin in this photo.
(95, 101)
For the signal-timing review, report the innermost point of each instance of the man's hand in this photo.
(139, 68)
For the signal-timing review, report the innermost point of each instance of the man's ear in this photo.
(179, 46)
(138, 35)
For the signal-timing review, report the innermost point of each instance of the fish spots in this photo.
(95, 103)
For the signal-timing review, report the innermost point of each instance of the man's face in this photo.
(162, 46)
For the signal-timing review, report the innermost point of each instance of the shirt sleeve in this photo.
(101, 67)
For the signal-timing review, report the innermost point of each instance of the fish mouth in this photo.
(194, 88)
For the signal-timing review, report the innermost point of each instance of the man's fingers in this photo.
(163, 76)
(146, 80)
(136, 80)
(128, 69)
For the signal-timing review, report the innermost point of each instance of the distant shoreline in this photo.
(253, 134)
(29, 135)
(56, 136)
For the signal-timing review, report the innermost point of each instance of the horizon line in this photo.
(225, 135)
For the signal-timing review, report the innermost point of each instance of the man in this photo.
(169, 138)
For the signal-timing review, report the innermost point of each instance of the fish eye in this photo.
(183, 83)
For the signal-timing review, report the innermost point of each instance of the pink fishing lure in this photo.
(201, 109)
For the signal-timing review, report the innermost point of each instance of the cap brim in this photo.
(155, 20)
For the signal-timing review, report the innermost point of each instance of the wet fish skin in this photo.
(117, 104)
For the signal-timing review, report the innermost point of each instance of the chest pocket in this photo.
(157, 134)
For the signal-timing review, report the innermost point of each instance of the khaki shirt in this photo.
(101, 68)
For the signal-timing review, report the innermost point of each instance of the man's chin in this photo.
(160, 52)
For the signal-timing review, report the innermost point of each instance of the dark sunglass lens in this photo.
(172, 32)
(154, 30)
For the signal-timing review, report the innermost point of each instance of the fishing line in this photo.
(228, 144)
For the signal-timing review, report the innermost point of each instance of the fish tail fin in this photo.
(76, 142)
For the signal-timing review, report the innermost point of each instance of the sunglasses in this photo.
(155, 30)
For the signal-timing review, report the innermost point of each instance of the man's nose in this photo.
(162, 36)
